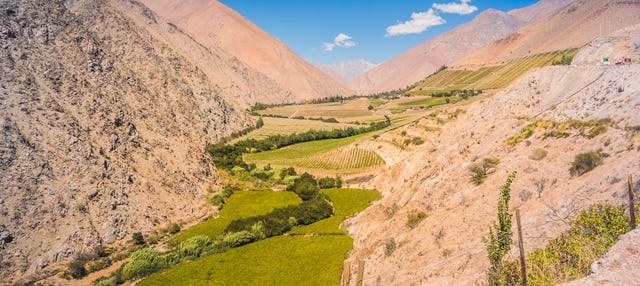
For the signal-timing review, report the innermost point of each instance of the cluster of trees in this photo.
(245, 131)
(228, 156)
(314, 207)
(464, 93)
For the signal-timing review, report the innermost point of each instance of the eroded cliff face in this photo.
(102, 131)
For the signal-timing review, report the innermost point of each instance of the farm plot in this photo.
(350, 111)
(285, 126)
(331, 154)
(347, 202)
(487, 77)
(283, 260)
(239, 205)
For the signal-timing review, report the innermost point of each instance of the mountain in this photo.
(106, 109)
(349, 70)
(214, 24)
(424, 59)
(571, 27)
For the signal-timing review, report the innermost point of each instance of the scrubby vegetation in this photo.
(560, 129)
(538, 154)
(585, 162)
(414, 218)
(480, 170)
(570, 256)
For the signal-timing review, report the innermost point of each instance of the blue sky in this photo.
(329, 31)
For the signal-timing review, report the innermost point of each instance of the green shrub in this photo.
(479, 171)
(143, 262)
(330, 183)
(104, 282)
(97, 264)
(138, 239)
(235, 239)
(173, 228)
(414, 218)
(417, 141)
(77, 268)
(585, 162)
(570, 256)
(193, 246)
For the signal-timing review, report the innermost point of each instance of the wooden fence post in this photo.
(632, 212)
(523, 266)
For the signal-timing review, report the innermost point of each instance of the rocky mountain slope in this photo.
(214, 24)
(424, 59)
(572, 27)
(446, 248)
(346, 71)
(103, 123)
(241, 84)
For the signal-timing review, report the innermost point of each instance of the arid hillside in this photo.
(446, 248)
(104, 121)
(214, 24)
(572, 27)
(424, 59)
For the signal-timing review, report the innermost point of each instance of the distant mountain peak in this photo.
(347, 70)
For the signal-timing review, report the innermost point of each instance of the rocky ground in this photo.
(102, 132)
(446, 248)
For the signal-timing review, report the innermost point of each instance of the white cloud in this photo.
(329, 46)
(462, 8)
(341, 40)
(419, 23)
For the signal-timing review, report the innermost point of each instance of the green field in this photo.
(486, 77)
(282, 260)
(285, 126)
(347, 202)
(330, 154)
(240, 205)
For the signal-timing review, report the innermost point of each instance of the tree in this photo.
(138, 239)
(259, 123)
(499, 243)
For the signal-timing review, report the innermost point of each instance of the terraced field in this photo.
(285, 126)
(331, 154)
(487, 77)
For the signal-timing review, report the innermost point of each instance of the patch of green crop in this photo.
(282, 260)
(321, 154)
(346, 202)
(239, 205)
